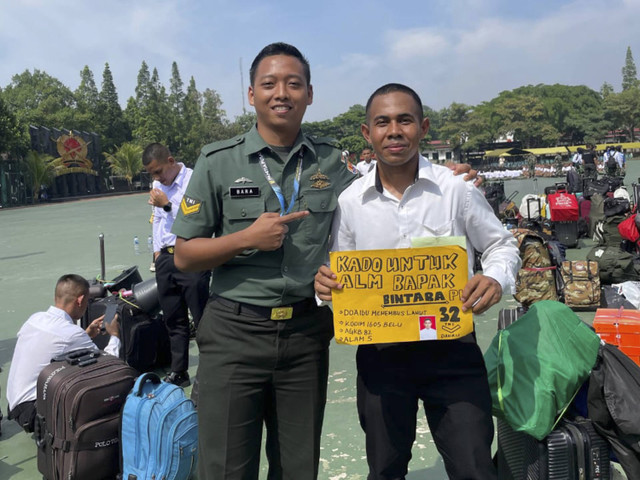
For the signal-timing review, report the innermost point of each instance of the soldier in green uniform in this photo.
(258, 210)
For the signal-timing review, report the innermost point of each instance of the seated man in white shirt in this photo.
(46, 335)
(405, 197)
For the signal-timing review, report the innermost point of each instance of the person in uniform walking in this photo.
(258, 210)
(179, 292)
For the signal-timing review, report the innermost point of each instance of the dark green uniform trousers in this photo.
(254, 371)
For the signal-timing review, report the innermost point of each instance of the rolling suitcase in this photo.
(79, 398)
(572, 451)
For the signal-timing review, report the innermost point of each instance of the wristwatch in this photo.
(167, 207)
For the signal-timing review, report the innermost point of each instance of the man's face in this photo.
(280, 94)
(163, 172)
(366, 155)
(394, 128)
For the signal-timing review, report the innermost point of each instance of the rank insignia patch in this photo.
(319, 180)
(189, 206)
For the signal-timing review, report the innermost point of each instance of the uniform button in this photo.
(243, 213)
(285, 268)
(323, 205)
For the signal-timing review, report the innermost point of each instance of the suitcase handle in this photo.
(75, 357)
(142, 379)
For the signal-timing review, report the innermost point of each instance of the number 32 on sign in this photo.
(400, 295)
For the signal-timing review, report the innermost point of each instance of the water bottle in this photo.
(149, 244)
(136, 245)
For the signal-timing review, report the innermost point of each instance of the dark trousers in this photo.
(256, 371)
(179, 291)
(24, 415)
(450, 378)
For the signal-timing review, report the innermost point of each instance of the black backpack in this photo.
(614, 389)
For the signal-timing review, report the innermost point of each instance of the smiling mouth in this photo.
(281, 108)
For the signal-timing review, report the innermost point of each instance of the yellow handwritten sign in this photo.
(400, 295)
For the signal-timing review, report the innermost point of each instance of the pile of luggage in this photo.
(564, 400)
(99, 416)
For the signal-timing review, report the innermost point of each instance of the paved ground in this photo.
(38, 244)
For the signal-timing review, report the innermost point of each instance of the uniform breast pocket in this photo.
(242, 212)
(446, 229)
(321, 204)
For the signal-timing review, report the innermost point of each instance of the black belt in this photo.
(284, 312)
(168, 250)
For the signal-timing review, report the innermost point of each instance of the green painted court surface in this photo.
(38, 244)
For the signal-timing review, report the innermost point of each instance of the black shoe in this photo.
(180, 379)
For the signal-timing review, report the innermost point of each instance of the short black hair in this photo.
(155, 151)
(396, 87)
(279, 48)
(71, 286)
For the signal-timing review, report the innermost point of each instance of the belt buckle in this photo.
(170, 250)
(281, 313)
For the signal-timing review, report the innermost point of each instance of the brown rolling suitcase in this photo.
(78, 404)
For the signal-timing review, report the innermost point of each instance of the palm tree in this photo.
(126, 161)
(40, 171)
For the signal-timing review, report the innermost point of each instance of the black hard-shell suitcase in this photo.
(572, 451)
(79, 398)
(567, 233)
(144, 341)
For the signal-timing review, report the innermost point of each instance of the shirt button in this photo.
(243, 213)
(323, 205)
(285, 269)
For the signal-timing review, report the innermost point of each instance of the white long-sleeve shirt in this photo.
(163, 221)
(438, 204)
(45, 335)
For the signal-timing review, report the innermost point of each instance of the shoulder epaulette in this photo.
(324, 140)
(222, 145)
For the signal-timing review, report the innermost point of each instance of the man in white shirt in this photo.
(366, 164)
(49, 334)
(179, 292)
(406, 196)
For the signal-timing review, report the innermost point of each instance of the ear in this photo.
(80, 299)
(425, 126)
(364, 128)
(310, 94)
(250, 95)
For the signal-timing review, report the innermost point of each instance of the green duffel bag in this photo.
(614, 264)
(537, 365)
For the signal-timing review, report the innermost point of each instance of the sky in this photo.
(464, 51)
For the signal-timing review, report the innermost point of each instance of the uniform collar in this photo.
(372, 183)
(255, 143)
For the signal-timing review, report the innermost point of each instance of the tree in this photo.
(624, 110)
(40, 99)
(629, 73)
(110, 120)
(13, 137)
(87, 100)
(524, 116)
(126, 161)
(605, 90)
(40, 171)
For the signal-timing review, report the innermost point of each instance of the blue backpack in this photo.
(159, 431)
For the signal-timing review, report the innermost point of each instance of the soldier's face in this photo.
(280, 94)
